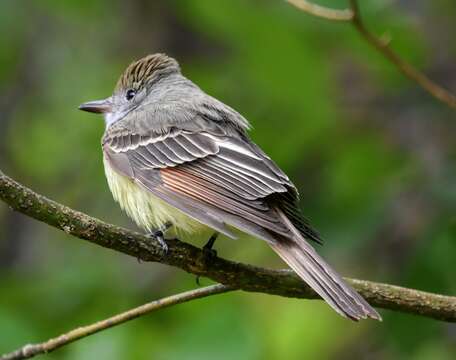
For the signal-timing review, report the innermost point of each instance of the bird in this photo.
(177, 159)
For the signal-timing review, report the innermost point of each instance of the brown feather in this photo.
(201, 190)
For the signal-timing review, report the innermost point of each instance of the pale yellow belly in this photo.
(148, 211)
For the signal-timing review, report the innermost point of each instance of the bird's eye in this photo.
(130, 94)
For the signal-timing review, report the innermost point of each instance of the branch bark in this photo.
(31, 350)
(191, 259)
(353, 15)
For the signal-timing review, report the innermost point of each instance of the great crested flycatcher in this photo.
(176, 157)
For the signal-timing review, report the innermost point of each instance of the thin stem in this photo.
(31, 350)
(321, 11)
(353, 15)
(408, 70)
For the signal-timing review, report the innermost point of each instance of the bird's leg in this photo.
(210, 243)
(157, 234)
(208, 252)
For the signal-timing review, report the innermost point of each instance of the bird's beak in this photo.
(97, 106)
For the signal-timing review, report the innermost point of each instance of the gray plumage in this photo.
(193, 152)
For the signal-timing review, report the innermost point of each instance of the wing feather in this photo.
(191, 149)
(269, 185)
(252, 165)
(166, 151)
(244, 190)
(225, 172)
(160, 156)
(219, 172)
(202, 141)
(187, 181)
(173, 145)
(182, 183)
(145, 158)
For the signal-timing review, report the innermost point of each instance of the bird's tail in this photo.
(305, 261)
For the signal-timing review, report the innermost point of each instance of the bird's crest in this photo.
(142, 71)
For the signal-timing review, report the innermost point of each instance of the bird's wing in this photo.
(212, 178)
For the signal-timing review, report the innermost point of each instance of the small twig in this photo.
(32, 350)
(321, 11)
(408, 70)
(353, 16)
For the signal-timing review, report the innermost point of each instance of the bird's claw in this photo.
(158, 235)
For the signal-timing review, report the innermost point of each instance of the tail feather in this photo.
(305, 261)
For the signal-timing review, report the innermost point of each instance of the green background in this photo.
(372, 154)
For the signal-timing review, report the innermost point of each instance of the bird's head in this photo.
(133, 86)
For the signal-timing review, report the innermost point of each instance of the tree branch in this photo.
(321, 11)
(192, 259)
(31, 350)
(353, 16)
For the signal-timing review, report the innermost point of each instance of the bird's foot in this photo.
(158, 235)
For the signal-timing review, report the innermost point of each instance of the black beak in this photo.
(98, 106)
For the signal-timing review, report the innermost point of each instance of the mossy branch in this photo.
(191, 259)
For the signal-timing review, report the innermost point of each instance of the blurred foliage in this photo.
(372, 154)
